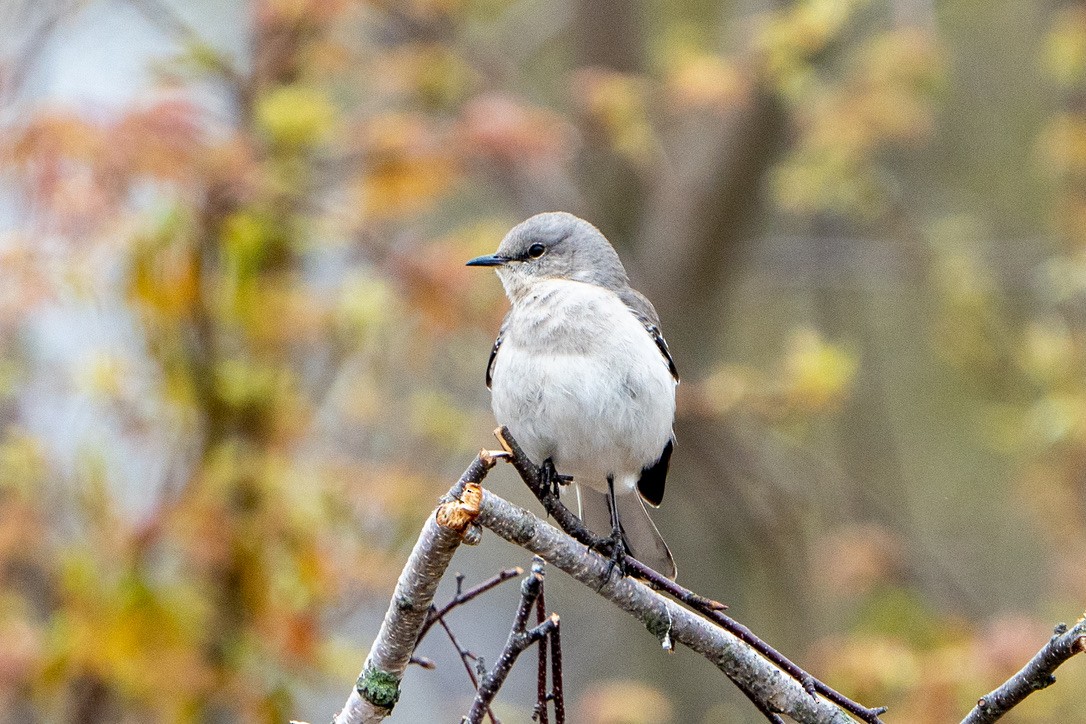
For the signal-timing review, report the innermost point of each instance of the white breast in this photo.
(578, 379)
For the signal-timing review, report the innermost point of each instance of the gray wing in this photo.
(653, 477)
(642, 308)
(493, 355)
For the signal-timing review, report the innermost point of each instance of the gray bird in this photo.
(582, 376)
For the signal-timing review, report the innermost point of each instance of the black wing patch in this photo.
(661, 344)
(493, 354)
(642, 308)
(651, 484)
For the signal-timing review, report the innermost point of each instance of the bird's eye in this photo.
(536, 250)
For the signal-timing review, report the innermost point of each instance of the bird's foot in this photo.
(618, 559)
(616, 547)
(551, 479)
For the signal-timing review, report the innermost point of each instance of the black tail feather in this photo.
(651, 484)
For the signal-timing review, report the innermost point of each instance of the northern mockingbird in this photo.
(583, 379)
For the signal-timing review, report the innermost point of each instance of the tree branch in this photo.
(571, 524)
(775, 688)
(378, 686)
(779, 692)
(1034, 676)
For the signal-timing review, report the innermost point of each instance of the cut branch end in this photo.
(458, 514)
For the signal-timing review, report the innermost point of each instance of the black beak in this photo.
(488, 260)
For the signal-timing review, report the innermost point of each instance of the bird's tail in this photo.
(643, 540)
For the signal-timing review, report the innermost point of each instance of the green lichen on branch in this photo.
(658, 626)
(379, 688)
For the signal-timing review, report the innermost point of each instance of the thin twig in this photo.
(437, 615)
(422, 662)
(540, 714)
(531, 475)
(466, 657)
(464, 597)
(1034, 676)
(520, 638)
(557, 695)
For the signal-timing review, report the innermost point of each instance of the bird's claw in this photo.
(617, 556)
(551, 479)
(618, 560)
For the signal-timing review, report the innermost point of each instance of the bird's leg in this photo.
(618, 545)
(551, 479)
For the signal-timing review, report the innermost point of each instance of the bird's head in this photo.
(554, 245)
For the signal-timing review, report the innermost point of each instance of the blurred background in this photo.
(240, 356)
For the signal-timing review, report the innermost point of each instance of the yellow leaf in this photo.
(296, 115)
(819, 372)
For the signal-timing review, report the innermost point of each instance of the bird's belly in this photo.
(593, 415)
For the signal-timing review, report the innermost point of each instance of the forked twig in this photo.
(520, 638)
(436, 614)
(1034, 676)
(466, 657)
